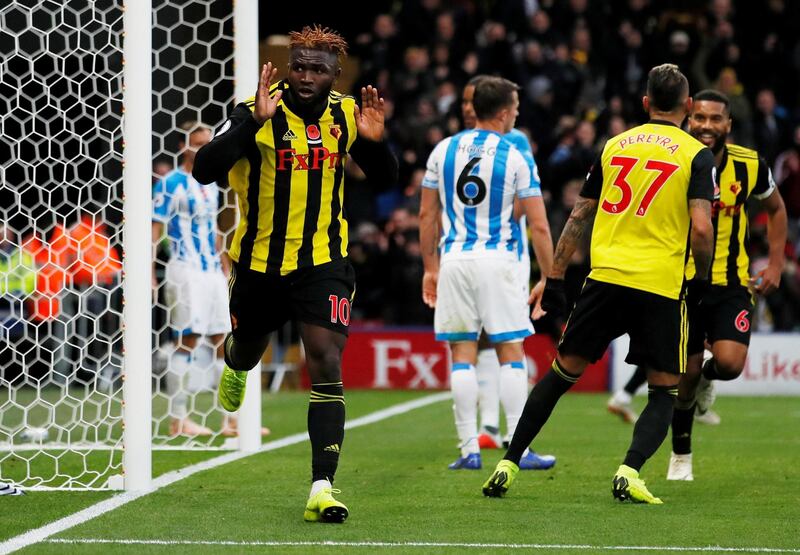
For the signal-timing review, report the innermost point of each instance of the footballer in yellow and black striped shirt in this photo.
(723, 318)
(283, 152)
(649, 194)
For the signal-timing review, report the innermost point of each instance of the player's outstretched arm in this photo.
(580, 219)
(542, 243)
(768, 279)
(429, 217)
(541, 239)
(214, 160)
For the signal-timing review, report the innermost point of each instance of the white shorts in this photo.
(197, 301)
(525, 275)
(477, 294)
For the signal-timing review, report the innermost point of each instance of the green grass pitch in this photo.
(394, 478)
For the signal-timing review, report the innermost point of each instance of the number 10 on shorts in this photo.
(340, 310)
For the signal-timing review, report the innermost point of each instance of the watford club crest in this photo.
(735, 187)
(336, 130)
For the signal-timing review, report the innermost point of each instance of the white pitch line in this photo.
(542, 546)
(40, 534)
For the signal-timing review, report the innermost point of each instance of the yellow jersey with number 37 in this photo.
(643, 180)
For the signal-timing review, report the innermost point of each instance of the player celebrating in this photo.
(284, 152)
(506, 384)
(476, 175)
(652, 184)
(724, 319)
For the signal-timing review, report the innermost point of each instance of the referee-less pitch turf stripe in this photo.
(529, 546)
(43, 533)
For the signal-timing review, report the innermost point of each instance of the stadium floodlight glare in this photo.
(94, 93)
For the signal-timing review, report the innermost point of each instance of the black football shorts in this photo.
(723, 313)
(320, 295)
(657, 326)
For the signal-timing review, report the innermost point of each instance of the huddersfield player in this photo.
(283, 152)
(195, 283)
(724, 319)
(504, 384)
(476, 176)
(653, 186)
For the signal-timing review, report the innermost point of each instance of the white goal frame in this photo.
(137, 262)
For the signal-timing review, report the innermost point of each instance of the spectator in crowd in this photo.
(741, 112)
(787, 175)
(771, 126)
(368, 255)
(379, 49)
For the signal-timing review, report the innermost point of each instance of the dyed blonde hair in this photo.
(317, 37)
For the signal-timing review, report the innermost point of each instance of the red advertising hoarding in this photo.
(398, 358)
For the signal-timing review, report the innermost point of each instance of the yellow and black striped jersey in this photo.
(288, 176)
(741, 174)
(643, 180)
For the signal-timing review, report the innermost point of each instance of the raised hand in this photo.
(265, 106)
(370, 117)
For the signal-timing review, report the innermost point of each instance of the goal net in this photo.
(61, 232)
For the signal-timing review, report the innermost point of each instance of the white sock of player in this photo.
(513, 392)
(622, 397)
(318, 485)
(488, 372)
(178, 367)
(464, 385)
(202, 369)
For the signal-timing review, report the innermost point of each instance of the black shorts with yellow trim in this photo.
(723, 313)
(657, 326)
(261, 303)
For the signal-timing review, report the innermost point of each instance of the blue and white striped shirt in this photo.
(189, 211)
(478, 173)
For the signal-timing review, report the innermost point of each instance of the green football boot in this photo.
(498, 483)
(629, 487)
(322, 507)
(231, 388)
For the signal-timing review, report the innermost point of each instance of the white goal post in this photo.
(137, 204)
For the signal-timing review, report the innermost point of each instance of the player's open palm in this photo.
(265, 106)
(429, 283)
(370, 117)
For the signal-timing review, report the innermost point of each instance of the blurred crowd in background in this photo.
(582, 66)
